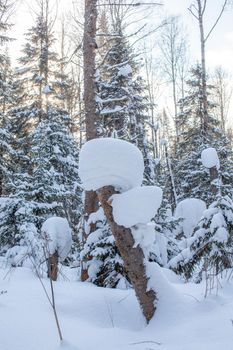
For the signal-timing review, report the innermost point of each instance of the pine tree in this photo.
(55, 169)
(36, 72)
(192, 179)
(103, 261)
(209, 250)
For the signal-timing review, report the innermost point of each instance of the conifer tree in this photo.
(36, 73)
(55, 169)
(192, 179)
(209, 250)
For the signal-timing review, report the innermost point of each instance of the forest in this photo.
(116, 176)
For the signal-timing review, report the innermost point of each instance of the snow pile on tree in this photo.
(118, 163)
(136, 206)
(190, 210)
(110, 162)
(57, 235)
(209, 158)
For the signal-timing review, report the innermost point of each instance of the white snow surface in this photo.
(57, 232)
(136, 206)
(209, 158)
(109, 161)
(125, 70)
(191, 210)
(94, 318)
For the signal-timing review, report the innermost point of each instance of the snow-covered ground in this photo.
(94, 318)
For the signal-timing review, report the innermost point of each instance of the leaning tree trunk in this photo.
(132, 256)
(91, 116)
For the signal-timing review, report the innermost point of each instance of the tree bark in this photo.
(89, 48)
(132, 256)
(213, 180)
(203, 69)
(91, 115)
(53, 266)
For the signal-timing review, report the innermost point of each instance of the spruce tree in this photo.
(191, 178)
(55, 168)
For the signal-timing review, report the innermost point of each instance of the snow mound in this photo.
(58, 233)
(110, 162)
(191, 210)
(136, 206)
(209, 158)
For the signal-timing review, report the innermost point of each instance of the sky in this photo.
(219, 47)
(219, 50)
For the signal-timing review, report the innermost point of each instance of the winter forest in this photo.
(116, 176)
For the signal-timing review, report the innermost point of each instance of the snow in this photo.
(144, 236)
(209, 158)
(94, 318)
(125, 70)
(191, 210)
(109, 161)
(47, 89)
(136, 206)
(57, 233)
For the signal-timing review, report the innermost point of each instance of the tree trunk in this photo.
(214, 180)
(203, 70)
(89, 47)
(132, 256)
(91, 116)
(53, 266)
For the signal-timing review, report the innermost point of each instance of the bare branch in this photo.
(217, 20)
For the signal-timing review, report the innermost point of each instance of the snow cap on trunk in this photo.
(136, 206)
(57, 233)
(110, 162)
(191, 210)
(209, 158)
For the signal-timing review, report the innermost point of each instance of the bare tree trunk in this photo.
(203, 69)
(53, 266)
(89, 47)
(132, 256)
(198, 9)
(91, 116)
(214, 180)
